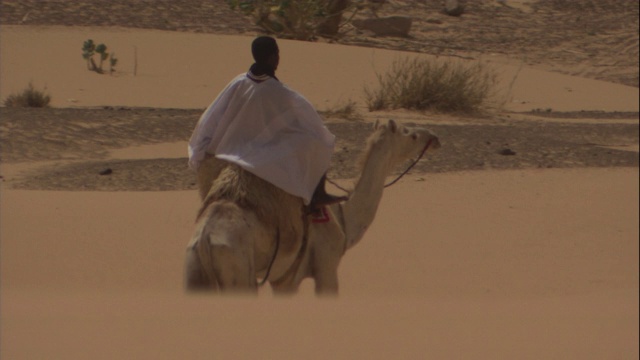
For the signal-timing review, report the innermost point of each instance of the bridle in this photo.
(424, 150)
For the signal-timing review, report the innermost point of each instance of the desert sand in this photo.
(518, 258)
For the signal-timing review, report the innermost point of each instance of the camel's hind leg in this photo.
(228, 270)
(196, 278)
(221, 255)
(234, 268)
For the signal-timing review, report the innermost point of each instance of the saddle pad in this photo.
(321, 216)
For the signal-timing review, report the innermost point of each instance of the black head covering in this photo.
(262, 48)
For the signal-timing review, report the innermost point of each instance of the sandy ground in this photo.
(524, 257)
(517, 264)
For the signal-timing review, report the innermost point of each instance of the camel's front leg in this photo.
(328, 244)
(327, 282)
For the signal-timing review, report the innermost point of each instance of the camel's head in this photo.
(402, 142)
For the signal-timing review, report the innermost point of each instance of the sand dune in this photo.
(326, 74)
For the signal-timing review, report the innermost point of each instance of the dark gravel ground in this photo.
(75, 144)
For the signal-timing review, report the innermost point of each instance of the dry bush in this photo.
(30, 97)
(439, 85)
(343, 110)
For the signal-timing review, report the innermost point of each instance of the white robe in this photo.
(268, 130)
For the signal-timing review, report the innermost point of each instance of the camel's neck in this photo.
(360, 209)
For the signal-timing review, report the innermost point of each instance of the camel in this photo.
(235, 241)
(389, 145)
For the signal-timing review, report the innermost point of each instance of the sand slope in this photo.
(181, 70)
(516, 264)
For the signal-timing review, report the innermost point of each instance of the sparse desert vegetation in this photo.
(433, 84)
(29, 97)
(90, 50)
(345, 110)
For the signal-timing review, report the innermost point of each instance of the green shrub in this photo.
(29, 97)
(300, 20)
(89, 49)
(424, 84)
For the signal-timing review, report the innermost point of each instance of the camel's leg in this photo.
(229, 268)
(234, 268)
(196, 278)
(325, 262)
(220, 255)
(287, 285)
(290, 281)
(225, 247)
(328, 241)
(327, 282)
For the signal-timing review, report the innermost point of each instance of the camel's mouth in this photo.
(434, 143)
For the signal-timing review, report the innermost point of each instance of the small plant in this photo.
(30, 97)
(423, 84)
(112, 62)
(90, 49)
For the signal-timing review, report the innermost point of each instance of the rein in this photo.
(273, 259)
(297, 261)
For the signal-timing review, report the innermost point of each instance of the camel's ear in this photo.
(393, 126)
